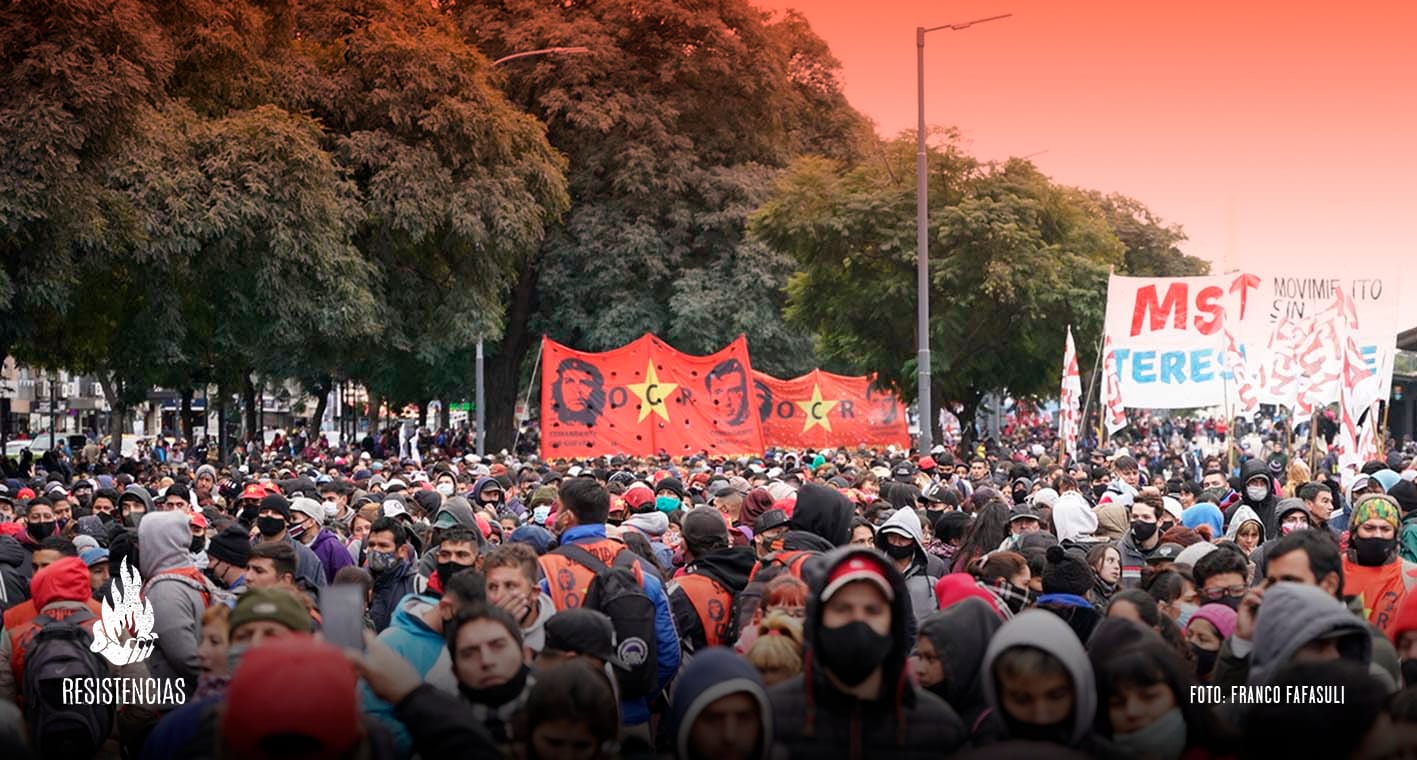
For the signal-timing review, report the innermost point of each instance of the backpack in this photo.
(60, 650)
(745, 602)
(618, 592)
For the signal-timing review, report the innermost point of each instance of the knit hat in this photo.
(542, 495)
(1192, 554)
(1376, 506)
(1405, 493)
(672, 484)
(232, 546)
(277, 503)
(1066, 573)
(271, 604)
(1218, 615)
(293, 691)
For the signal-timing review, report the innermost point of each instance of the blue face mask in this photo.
(666, 504)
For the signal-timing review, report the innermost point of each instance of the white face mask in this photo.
(446, 489)
(1257, 493)
(331, 509)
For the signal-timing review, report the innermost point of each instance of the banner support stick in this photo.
(526, 400)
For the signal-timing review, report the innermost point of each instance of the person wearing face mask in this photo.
(1146, 708)
(1206, 632)
(272, 522)
(855, 696)
(1372, 567)
(669, 494)
(1140, 542)
(306, 527)
(901, 539)
(948, 655)
(645, 519)
(386, 557)
(334, 495)
(487, 493)
(417, 635)
(39, 524)
(227, 556)
(1039, 683)
(133, 504)
(1257, 493)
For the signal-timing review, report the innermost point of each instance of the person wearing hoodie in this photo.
(648, 522)
(1039, 683)
(719, 710)
(1067, 580)
(133, 504)
(15, 572)
(1140, 542)
(1257, 493)
(948, 653)
(177, 592)
(821, 521)
(855, 696)
(455, 512)
(1246, 529)
(1074, 521)
(715, 572)
(417, 636)
(901, 539)
(306, 526)
(1302, 623)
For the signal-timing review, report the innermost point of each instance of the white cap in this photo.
(308, 507)
(1172, 506)
(394, 508)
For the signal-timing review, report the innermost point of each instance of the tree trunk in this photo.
(118, 412)
(322, 403)
(223, 439)
(423, 414)
(503, 366)
(374, 416)
(250, 400)
(445, 415)
(184, 414)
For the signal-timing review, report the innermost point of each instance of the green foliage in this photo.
(1152, 246)
(1014, 259)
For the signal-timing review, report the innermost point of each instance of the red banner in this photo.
(645, 398)
(819, 410)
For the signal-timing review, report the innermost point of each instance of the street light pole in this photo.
(922, 238)
(481, 396)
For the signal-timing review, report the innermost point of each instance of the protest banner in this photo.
(820, 409)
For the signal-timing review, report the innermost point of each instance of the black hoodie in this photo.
(15, 573)
(1263, 509)
(824, 512)
(960, 634)
(728, 568)
(813, 719)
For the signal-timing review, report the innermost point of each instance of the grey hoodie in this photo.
(1043, 630)
(917, 580)
(164, 539)
(1295, 614)
(141, 493)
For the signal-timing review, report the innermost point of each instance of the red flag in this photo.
(645, 398)
(819, 409)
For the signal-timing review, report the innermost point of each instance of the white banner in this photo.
(1168, 334)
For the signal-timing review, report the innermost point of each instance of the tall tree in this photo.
(675, 123)
(1152, 246)
(1014, 259)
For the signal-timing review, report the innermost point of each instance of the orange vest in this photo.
(20, 636)
(713, 604)
(568, 580)
(793, 561)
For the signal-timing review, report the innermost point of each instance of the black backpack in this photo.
(59, 650)
(618, 593)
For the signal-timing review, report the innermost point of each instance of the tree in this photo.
(675, 124)
(1152, 246)
(1015, 258)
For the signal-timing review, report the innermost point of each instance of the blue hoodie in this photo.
(421, 646)
(713, 674)
(634, 712)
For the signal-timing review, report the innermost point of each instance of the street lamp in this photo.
(481, 395)
(922, 238)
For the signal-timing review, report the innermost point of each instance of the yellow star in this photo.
(652, 394)
(817, 410)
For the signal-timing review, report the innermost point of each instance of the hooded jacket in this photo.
(652, 525)
(713, 674)
(729, 569)
(460, 510)
(814, 719)
(423, 648)
(823, 512)
(333, 554)
(175, 589)
(1293, 615)
(61, 590)
(15, 572)
(1073, 517)
(1263, 509)
(961, 635)
(1043, 630)
(917, 578)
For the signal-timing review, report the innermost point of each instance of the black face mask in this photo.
(270, 526)
(198, 544)
(495, 696)
(899, 552)
(1371, 552)
(248, 516)
(1143, 531)
(446, 570)
(133, 519)
(852, 652)
(1409, 673)
(40, 530)
(1205, 660)
(106, 517)
(1053, 733)
(1099, 489)
(1233, 602)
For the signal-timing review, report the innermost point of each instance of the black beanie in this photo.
(277, 503)
(1066, 573)
(232, 545)
(1405, 494)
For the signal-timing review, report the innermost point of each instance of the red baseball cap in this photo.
(926, 463)
(861, 567)
(638, 495)
(253, 491)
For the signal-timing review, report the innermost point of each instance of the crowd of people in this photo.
(320, 602)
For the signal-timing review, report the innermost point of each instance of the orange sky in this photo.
(1279, 135)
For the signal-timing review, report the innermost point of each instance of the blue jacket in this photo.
(421, 646)
(634, 712)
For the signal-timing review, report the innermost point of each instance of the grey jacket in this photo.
(176, 599)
